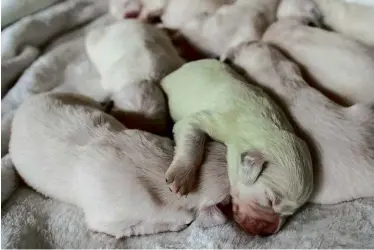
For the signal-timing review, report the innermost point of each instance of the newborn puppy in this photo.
(337, 65)
(269, 167)
(341, 137)
(350, 19)
(216, 33)
(179, 12)
(141, 9)
(343, 16)
(66, 148)
(132, 57)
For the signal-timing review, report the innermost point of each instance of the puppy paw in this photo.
(181, 178)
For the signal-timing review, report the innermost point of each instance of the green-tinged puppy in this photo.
(269, 167)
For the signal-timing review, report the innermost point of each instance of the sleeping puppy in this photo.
(140, 9)
(342, 137)
(350, 19)
(179, 12)
(173, 13)
(216, 33)
(343, 16)
(338, 66)
(132, 57)
(269, 167)
(66, 148)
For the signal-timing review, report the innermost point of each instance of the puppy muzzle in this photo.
(256, 220)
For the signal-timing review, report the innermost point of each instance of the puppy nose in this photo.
(257, 221)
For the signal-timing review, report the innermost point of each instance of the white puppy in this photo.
(341, 137)
(132, 57)
(343, 16)
(350, 19)
(141, 9)
(338, 66)
(179, 12)
(218, 32)
(66, 148)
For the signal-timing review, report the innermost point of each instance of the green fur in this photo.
(220, 102)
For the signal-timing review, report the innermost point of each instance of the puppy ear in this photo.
(252, 163)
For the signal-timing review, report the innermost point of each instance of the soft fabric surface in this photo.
(55, 60)
(12, 10)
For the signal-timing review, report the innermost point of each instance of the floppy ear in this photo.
(252, 163)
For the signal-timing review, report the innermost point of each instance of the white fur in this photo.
(218, 32)
(349, 18)
(341, 138)
(66, 148)
(179, 12)
(345, 17)
(362, 2)
(306, 10)
(336, 64)
(132, 57)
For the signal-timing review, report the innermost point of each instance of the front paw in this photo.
(181, 177)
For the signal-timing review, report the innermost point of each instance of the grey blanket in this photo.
(45, 52)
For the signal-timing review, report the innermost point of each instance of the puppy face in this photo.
(270, 184)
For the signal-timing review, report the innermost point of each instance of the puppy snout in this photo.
(256, 220)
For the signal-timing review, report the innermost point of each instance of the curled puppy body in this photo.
(68, 149)
(269, 167)
(345, 17)
(140, 9)
(216, 33)
(338, 66)
(341, 137)
(131, 58)
(179, 12)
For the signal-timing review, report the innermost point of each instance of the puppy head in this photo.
(269, 184)
(121, 9)
(306, 11)
(141, 106)
(179, 12)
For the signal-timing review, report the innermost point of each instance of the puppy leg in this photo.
(162, 222)
(189, 149)
(145, 228)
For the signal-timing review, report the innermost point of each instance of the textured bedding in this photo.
(45, 52)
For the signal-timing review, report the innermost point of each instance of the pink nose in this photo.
(256, 220)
